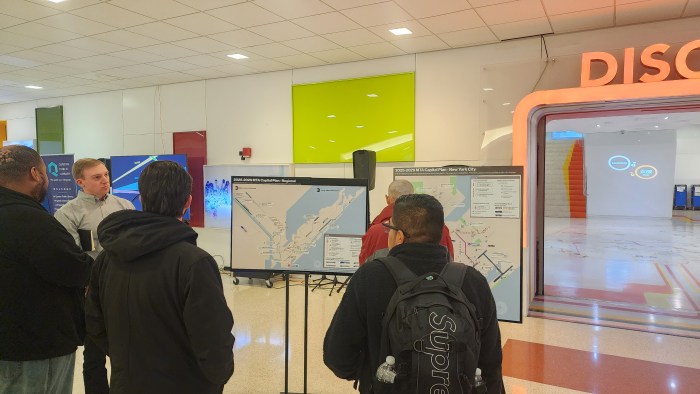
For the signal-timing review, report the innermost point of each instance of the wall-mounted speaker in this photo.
(364, 165)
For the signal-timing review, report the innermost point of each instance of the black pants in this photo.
(94, 371)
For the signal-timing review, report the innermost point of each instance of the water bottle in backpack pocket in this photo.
(431, 330)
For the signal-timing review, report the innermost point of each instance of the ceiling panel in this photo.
(39, 56)
(693, 8)
(169, 51)
(25, 10)
(460, 20)
(343, 4)
(7, 21)
(584, 20)
(558, 7)
(424, 9)
(291, 9)
(127, 39)
(203, 5)
(281, 31)
(20, 40)
(205, 60)
(174, 65)
(240, 38)
(162, 31)
(267, 65)
(156, 9)
(301, 60)
(203, 45)
(245, 15)
(511, 12)
(648, 11)
(138, 55)
(6, 48)
(39, 31)
(111, 15)
(416, 27)
(66, 5)
(327, 23)
(95, 45)
(353, 38)
(273, 50)
(207, 73)
(311, 44)
(201, 23)
(18, 61)
(377, 14)
(468, 37)
(422, 44)
(66, 50)
(526, 28)
(341, 55)
(377, 50)
(75, 24)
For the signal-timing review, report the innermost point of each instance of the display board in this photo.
(125, 175)
(280, 224)
(62, 187)
(483, 210)
(217, 188)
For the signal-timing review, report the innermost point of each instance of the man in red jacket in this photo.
(377, 238)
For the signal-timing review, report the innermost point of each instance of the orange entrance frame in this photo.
(535, 106)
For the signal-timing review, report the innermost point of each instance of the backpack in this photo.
(431, 329)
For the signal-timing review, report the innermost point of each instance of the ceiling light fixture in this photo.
(656, 126)
(57, 1)
(402, 31)
(237, 56)
(372, 95)
(331, 116)
(359, 126)
(505, 104)
(33, 87)
(597, 125)
(488, 89)
(666, 118)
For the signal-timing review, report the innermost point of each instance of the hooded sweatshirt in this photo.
(156, 306)
(43, 274)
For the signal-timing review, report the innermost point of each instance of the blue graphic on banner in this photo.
(125, 175)
(62, 187)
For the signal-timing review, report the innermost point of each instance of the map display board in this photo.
(125, 175)
(279, 224)
(217, 188)
(483, 210)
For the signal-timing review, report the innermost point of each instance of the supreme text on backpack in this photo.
(432, 331)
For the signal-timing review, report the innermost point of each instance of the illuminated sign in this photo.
(623, 163)
(649, 58)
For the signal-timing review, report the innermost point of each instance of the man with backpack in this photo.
(436, 319)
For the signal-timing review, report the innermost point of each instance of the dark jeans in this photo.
(94, 371)
(50, 376)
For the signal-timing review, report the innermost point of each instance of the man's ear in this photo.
(80, 182)
(35, 174)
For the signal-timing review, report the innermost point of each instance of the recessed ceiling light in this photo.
(656, 126)
(666, 118)
(331, 116)
(402, 31)
(372, 95)
(33, 87)
(487, 89)
(237, 56)
(597, 125)
(505, 104)
(57, 1)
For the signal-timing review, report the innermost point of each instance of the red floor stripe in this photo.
(594, 372)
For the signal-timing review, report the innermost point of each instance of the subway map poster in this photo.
(483, 210)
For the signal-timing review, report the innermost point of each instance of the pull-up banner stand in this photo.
(483, 210)
(62, 187)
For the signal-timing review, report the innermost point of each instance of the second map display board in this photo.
(310, 225)
(483, 211)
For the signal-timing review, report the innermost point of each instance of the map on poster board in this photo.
(279, 224)
(217, 188)
(483, 210)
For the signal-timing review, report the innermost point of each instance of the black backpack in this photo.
(431, 329)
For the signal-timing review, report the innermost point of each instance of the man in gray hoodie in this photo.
(81, 216)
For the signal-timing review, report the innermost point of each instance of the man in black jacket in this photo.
(155, 302)
(351, 347)
(43, 274)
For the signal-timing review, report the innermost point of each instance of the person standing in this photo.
(155, 303)
(376, 238)
(81, 216)
(43, 274)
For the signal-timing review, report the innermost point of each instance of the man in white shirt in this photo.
(81, 216)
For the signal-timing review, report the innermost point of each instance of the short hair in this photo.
(399, 187)
(165, 187)
(82, 165)
(420, 216)
(16, 162)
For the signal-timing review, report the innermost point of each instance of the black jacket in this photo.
(43, 274)
(351, 346)
(156, 306)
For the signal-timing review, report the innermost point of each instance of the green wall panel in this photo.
(49, 130)
(333, 119)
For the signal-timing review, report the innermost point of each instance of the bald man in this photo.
(377, 238)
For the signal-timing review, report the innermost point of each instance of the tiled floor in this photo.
(640, 273)
(539, 354)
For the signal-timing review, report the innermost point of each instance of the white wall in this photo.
(688, 156)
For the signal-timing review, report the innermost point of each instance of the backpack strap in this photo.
(454, 274)
(398, 270)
